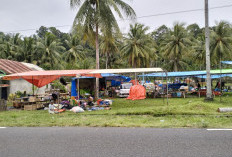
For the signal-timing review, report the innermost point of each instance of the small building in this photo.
(8, 67)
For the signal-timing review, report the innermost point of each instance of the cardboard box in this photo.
(30, 107)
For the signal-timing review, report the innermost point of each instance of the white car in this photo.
(125, 90)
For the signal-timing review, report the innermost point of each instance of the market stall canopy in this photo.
(216, 76)
(222, 71)
(226, 62)
(107, 75)
(133, 70)
(176, 74)
(188, 73)
(42, 78)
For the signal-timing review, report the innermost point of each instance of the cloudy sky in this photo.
(29, 15)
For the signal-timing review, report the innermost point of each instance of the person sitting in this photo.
(90, 102)
(55, 97)
(51, 108)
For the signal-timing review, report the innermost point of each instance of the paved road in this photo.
(114, 142)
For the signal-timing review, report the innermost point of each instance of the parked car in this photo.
(125, 90)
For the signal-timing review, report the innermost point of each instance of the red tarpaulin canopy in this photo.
(42, 78)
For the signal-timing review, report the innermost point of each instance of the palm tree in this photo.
(199, 52)
(138, 47)
(97, 15)
(221, 40)
(16, 46)
(6, 51)
(49, 52)
(108, 46)
(75, 50)
(10, 47)
(28, 49)
(175, 46)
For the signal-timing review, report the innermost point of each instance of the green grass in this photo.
(189, 112)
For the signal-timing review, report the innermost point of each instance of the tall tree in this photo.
(221, 42)
(74, 52)
(175, 46)
(97, 15)
(139, 46)
(28, 49)
(194, 30)
(49, 52)
(199, 52)
(108, 46)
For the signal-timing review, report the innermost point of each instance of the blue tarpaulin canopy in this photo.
(216, 76)
(110, 76)
(103, 75)
(115, 78)
(176, 74)
(226, 62)
(191, 73)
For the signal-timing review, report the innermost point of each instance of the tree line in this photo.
(179, 48)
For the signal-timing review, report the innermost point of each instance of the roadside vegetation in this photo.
(179, 113)
(180, 47)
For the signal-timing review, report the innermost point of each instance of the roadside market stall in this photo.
(174, 88)
(135, 71)
(42, 78)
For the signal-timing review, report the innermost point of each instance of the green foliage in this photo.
(11, 97)
(57, 85)
(84, 91)
(221, 42)
(18, 94)
(139, 47)
(174, 49)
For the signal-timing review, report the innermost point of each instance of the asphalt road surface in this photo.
(114, 142)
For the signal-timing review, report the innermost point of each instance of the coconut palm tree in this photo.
(74, 52)
(28, 49)
(199, 52)
(108, 46)
(175, 46)
(221, 40)
(139, 46)
(49, 52)
(6, 51)
(98, 15)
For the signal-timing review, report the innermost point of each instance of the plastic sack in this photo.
(109, 101)
(77, 109)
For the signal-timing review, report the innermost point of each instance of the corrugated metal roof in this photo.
(11, 67)
(33, 66)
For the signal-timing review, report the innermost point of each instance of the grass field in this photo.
(189, 112)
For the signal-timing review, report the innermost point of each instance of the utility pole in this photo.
(207, 41)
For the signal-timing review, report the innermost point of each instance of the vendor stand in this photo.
(40, 79)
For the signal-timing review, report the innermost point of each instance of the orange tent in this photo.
(42, 78)
(137, 92)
